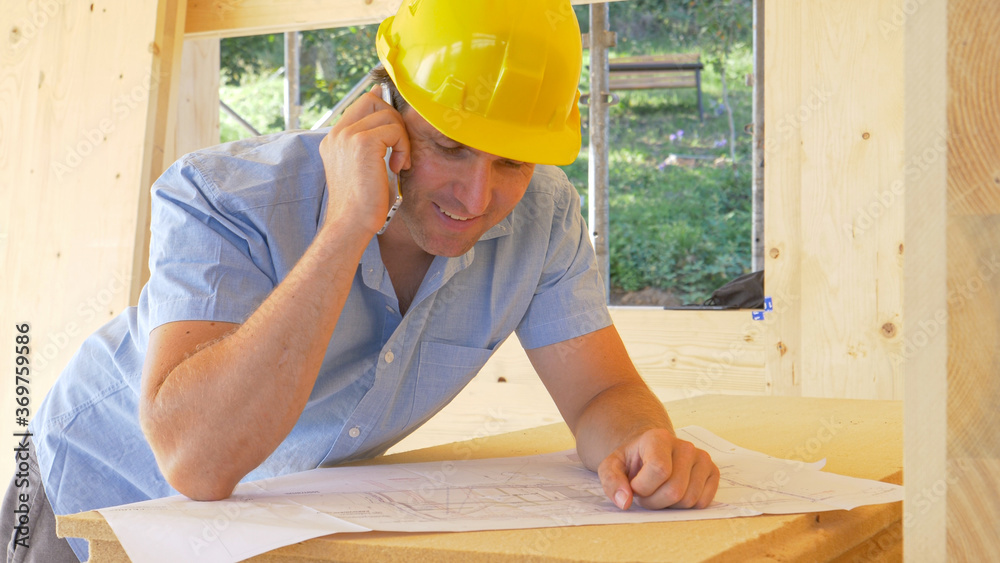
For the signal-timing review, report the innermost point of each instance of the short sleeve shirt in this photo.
(228, 225)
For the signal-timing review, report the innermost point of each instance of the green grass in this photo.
(685, 230)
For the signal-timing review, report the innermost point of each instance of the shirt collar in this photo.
(503, 228)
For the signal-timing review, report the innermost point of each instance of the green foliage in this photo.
(332, 61)
(677, 228)
(248, 57)
(724, 25)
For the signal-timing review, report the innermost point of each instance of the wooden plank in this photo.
(787, 104)
(645, 81)
(973, 112)
(695, 351)
(973, 233)
(76, 84)
(234, 18)
(161, 127)
(666, 58)
(924, 355)
(198, 97)
(852, 151)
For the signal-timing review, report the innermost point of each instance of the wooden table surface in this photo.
(857, 437)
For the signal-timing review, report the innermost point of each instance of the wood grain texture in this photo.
(852, 222)
(76, 82)
(198, 97)
(925, 306)
(161, 127)
(973, 238)
(234, 18)
(787, 105)
(973, 108)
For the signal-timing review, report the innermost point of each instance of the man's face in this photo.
(453, 193)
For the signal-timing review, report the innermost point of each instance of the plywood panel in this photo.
(77, 81)
(787, 107)
(852, 153)
(973, 238)
(233, 18)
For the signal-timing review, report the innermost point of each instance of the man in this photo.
(279, 332)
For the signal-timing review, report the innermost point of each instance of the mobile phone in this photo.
(394, 195)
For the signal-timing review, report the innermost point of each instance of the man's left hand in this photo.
(659, 470)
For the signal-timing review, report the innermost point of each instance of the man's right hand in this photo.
(353, 156)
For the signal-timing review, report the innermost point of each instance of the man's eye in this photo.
(450, 150)
(512, 163)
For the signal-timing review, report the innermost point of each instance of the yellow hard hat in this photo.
(498, 76)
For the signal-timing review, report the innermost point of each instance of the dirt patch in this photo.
(647, 296)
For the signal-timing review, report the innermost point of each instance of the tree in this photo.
(728, 23)
(331, 60)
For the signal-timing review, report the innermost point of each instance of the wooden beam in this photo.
(834, 172)
(973, 279)
(783, 103)
(852, 221)
(161, 126)
(79, 80)
(198, 98)
(235, 18)
(924, 355)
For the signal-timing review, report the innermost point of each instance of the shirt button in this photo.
(354, 432)
(389, 357)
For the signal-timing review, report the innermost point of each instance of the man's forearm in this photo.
(614, 416)
(220, 412)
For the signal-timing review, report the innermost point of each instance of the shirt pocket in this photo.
(443, 371)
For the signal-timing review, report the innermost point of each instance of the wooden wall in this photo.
(833, 205)
(80, 88)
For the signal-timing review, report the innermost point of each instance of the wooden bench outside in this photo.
(681, 70)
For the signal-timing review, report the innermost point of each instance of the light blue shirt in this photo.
(228, 224)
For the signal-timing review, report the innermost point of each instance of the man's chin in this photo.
(448, 251)
(442, 244)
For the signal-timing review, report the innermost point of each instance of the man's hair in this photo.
(381, 76)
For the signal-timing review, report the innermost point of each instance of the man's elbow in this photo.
(187, 472)
(199, 487)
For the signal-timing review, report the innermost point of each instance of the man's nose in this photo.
(476, 190)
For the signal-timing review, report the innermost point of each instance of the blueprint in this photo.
(486, 494)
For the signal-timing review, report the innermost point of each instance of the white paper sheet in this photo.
(487, 494)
